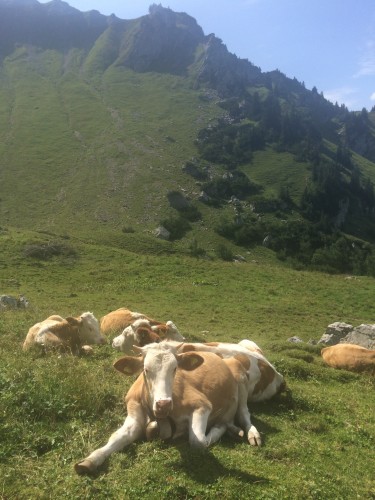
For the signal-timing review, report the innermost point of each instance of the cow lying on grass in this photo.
(116, 321)
(72, 335)
(265, 380)
(350, 357)
(141, 333)
(200, 393)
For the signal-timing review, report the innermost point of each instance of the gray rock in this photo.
(335, 332)
(363, 335)
(343, 333)
(295, 340)
(162, 233)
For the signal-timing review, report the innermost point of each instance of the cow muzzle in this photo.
(163, 407)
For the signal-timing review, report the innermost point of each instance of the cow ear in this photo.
(129, 365)
(73, 321)
(189, 361)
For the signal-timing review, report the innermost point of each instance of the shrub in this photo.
(177, 226)
(45, 251)
(224, 253)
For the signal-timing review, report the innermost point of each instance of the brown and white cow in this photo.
(264, 380)
(116, 321)
(141, 333)
(350, 357)
(197, 392)
(65, 334)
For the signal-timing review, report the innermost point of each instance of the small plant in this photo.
(224, 253)
(195, 249)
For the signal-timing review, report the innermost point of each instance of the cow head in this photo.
(159, 363)
(145, 335)
(88, 328)
(139, 334)
(168, 331)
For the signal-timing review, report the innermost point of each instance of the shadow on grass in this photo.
(200, 465)
(204, 468)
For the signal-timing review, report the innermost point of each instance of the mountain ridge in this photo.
(136, 113)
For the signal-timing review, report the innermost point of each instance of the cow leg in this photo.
(243, 418)
(131, 430)
(49, 341)
(216, 432)
(198, 428)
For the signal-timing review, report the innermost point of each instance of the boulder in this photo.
(162, 233)
(363, 335)
(295, 339)
(335, 332)
(10, 302)
(343, 333)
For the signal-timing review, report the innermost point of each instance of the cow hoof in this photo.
(235, 431)
(253, 437)
(159, 429)
(87, 350)
(84, 467)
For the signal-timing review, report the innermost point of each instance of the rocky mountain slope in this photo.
(105, 123)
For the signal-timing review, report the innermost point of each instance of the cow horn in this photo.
(136, 348)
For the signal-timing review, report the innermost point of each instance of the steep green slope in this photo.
(82, 152)
(128, 125)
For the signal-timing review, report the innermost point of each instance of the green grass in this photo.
(63, 133)
(318, 437)
(84, 154)
(272, 170)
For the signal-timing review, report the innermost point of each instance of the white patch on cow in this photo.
(160, 367)
(173, 333)
(89, 330)
(127, 339)
(40, 337)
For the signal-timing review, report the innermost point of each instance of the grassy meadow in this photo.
(318, 438)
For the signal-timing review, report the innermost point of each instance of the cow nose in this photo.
(163, 407)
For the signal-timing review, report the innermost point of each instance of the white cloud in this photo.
(372, 96)
(367, 61)
(342, 95)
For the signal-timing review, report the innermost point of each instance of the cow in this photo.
(65, 334)
(116, 321)
(265, 380)
(190, 392)
(350, 357)
(10, 302)
(141, 332)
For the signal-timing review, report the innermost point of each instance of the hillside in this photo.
(106, 133)
(110, 128)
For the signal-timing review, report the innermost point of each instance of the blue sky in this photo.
(329, 44)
